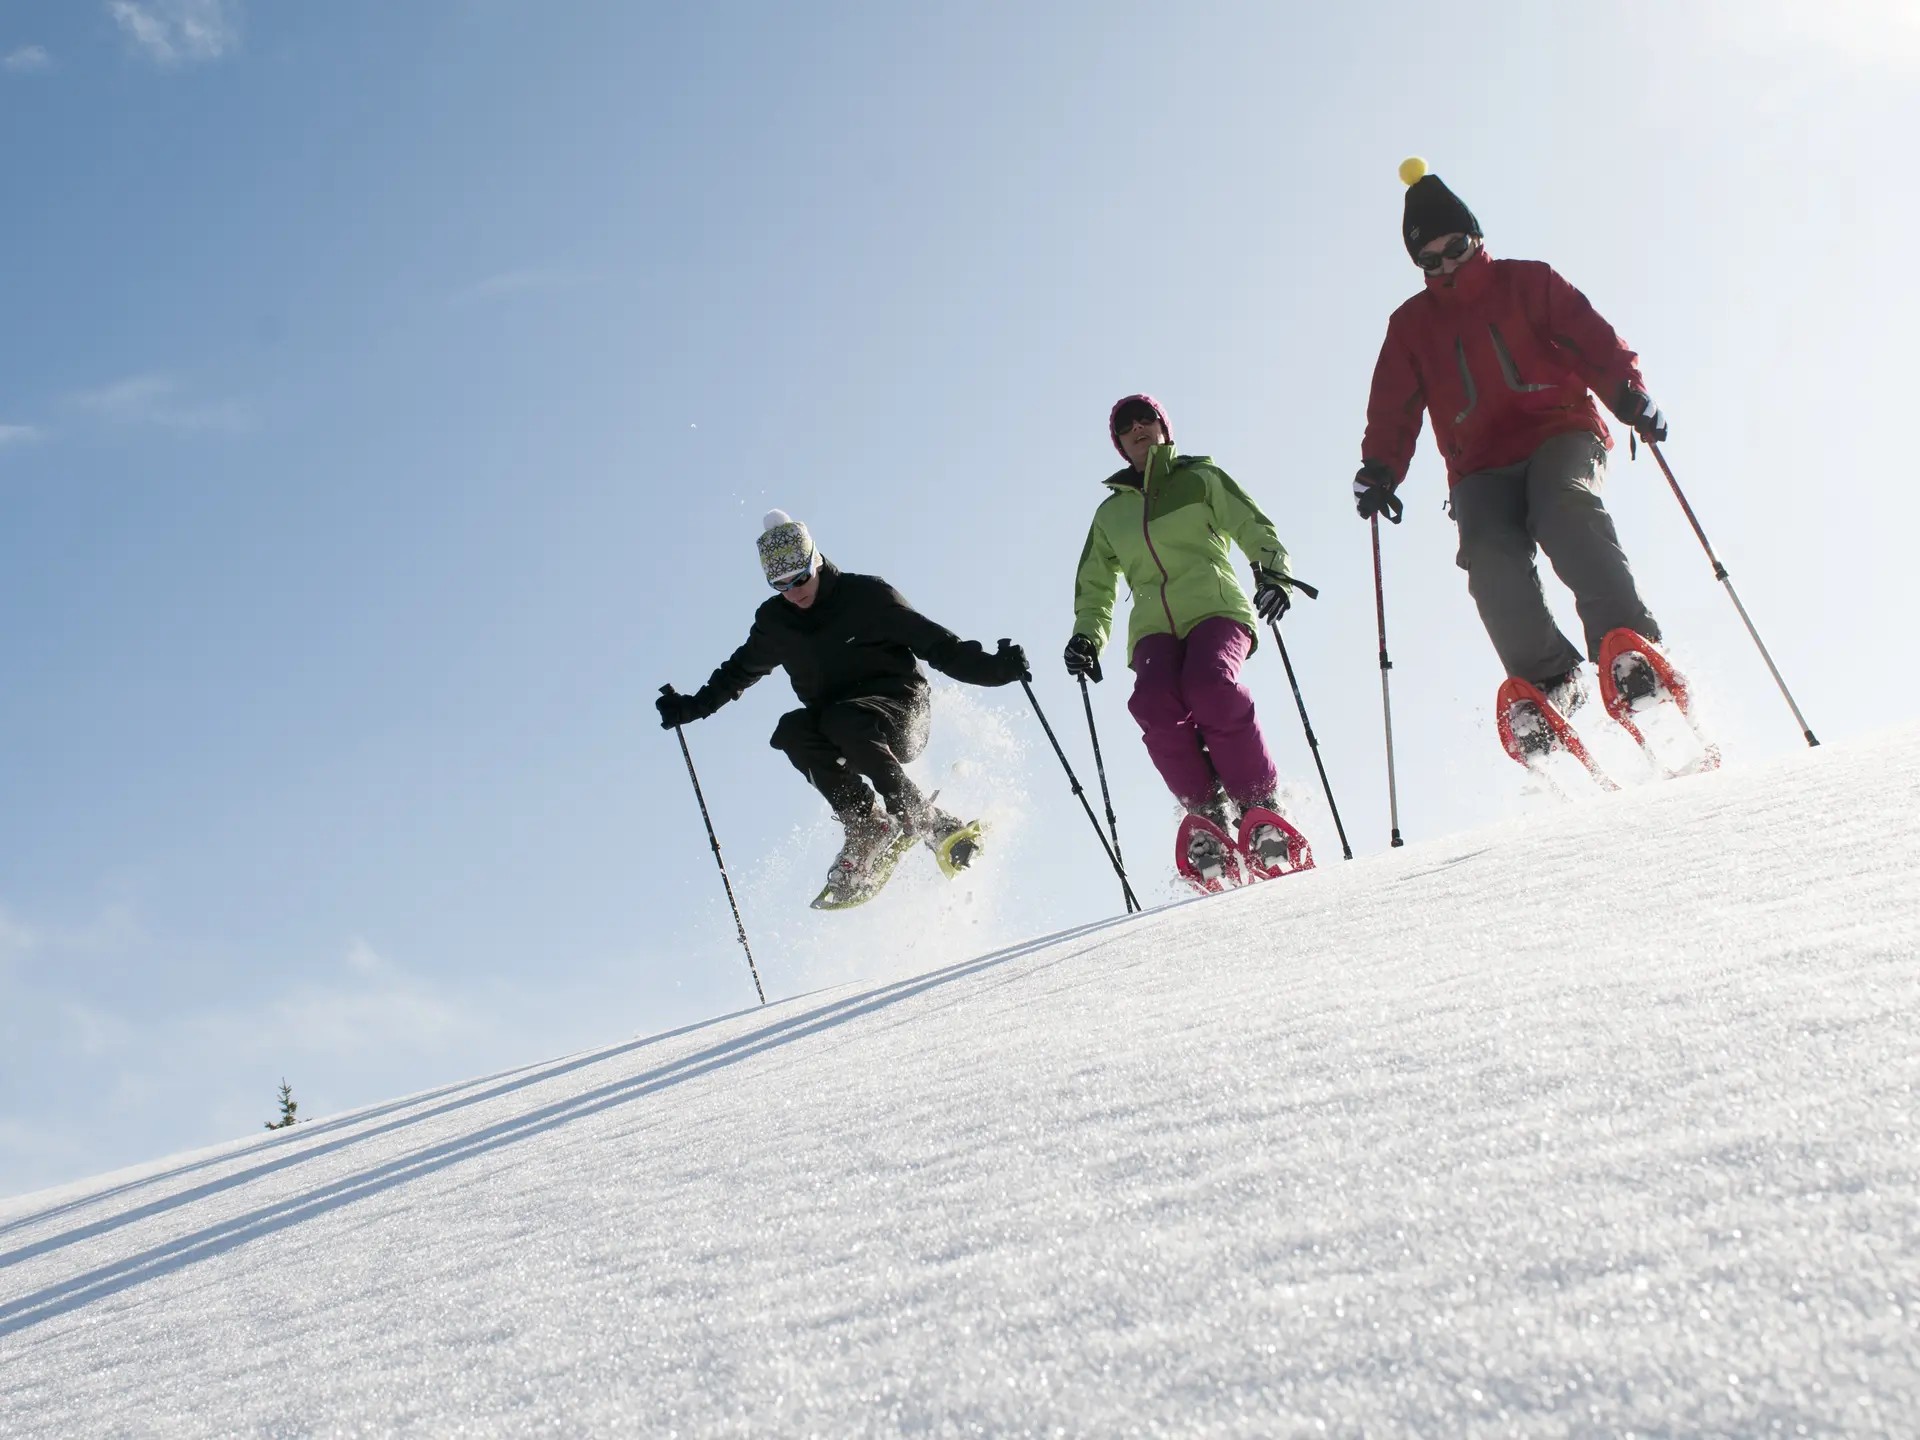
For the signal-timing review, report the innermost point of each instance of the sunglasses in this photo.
(1132, 419)
(794, 582)
(1454, 249)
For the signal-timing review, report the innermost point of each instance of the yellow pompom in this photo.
(1411, 169)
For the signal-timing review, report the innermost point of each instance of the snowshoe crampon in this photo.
(1650, 701)
(957, 850)
(1206, 856)
(1267, 856)
(1538, 736)
(849, 885)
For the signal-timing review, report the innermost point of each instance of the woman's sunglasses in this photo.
(794, 582)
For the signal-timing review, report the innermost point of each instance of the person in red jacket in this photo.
(1507, 357)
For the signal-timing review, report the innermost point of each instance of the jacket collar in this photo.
(1467, 282)
(1160, 460)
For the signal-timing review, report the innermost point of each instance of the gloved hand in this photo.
(1082, 659)
(1271, 594)
(677, 709)
(1639, 414)
(1373, 492)
(1013, 662)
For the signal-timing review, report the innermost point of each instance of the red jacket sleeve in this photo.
(1396, 407)
(1599, 356)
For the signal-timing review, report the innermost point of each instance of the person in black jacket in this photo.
(851, 647)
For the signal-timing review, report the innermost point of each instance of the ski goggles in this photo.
(1431, 260)
(1138, 413)
(794, 582)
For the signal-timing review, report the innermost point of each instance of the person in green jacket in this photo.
(1165, 526)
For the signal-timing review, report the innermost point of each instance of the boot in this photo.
(1265, 843)
(1567, 692)
(1207, 856)
(870, 832)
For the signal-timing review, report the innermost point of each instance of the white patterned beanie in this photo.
(786, 549)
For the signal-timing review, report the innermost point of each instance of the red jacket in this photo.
(1503, 353)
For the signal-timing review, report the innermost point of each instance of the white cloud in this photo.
(156, 400)
(179, 32)
(17, 434)
(26, 58)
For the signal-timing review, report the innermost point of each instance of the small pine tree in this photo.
(288, 1105)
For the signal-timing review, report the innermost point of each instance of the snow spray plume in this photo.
(718, 858)
(1126, 890)
(924, 921)
(1720, 574)
(1306, 724)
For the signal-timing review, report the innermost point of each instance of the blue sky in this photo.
(391, 393)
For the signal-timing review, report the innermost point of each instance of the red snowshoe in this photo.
(1206, 856)
(1647, 696)
(1534, 733)
(1267, 857)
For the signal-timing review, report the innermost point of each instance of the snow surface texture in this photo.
(1596, 1122)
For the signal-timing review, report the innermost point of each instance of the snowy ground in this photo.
(1598, 1122)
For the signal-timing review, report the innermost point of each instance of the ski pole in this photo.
(1386, 699)
(718, 859)
(1126, 890)
(1720, 574)
(1099, 765)
(1307, 725)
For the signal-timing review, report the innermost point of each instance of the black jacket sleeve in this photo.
(751, 663)
(965, 660)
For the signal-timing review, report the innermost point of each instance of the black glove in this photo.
(1639, 414)
(1082, 659)
(677, 709)
(1013, 661)
(1271, 593)
(1373, 492)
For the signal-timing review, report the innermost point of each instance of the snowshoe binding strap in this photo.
(1270, 846)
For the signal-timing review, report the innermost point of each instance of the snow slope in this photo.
(1597, 1122)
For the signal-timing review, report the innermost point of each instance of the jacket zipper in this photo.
(1146, 478)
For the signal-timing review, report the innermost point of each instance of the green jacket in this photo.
(1168, 536)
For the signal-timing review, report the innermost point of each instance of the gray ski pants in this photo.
(1552, 500)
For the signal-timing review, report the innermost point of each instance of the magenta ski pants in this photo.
(1197, 718)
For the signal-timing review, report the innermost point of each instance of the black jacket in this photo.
(858, 638)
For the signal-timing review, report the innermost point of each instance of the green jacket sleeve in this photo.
(1095, 584)
(1239, 517)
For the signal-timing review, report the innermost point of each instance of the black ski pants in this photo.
(843, 747)
(1550, 500)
